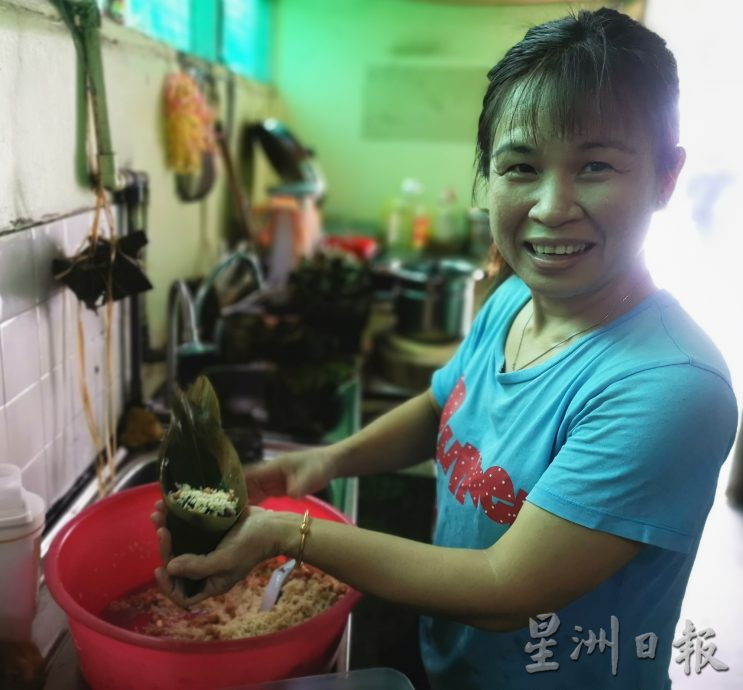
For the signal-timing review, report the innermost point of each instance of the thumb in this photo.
(295, 487)
(193, 566)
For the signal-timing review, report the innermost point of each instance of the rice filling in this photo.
(206, 500)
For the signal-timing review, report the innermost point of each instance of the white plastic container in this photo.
(21, 525)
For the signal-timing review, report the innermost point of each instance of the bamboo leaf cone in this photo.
(197, 452)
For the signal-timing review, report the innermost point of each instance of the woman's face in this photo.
(570, 215)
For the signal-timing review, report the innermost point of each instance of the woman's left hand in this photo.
(243, 547)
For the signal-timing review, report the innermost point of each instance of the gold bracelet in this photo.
(304, 530)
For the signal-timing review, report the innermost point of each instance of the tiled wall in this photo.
(43, 429)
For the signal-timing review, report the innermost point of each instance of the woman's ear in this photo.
(669, 179)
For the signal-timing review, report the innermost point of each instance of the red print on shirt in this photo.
(493, 489)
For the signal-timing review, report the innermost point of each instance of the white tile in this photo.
(53, 345)
(48, 245)
(70, 309)
(17, 279)
(21, 358)
(84, 448)
(55, 406)
(33, 476)
(24, 420)
(77, 229)
(69, 454)
(71, 377)
(94, 367)
(60, 472)
(58, 479)
(93, 323)
(3, 437)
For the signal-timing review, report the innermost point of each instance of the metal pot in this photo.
(434, 299)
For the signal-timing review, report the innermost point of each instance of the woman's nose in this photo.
(555, 202)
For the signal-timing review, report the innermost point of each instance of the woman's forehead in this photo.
(597, 131)
(580, 126)
(535, 115)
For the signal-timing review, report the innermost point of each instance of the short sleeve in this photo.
(641, 457)
(445, 379)
(486, 330)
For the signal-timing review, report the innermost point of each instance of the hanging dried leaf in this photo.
(101, 262)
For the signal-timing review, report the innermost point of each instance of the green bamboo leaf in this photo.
(196, 453)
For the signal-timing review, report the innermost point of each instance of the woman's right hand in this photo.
(295, 474)
(251, 540)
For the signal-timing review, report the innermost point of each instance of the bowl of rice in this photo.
(99, 569)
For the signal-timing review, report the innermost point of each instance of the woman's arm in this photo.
(400, 438)
(541, 564)
(404, 436)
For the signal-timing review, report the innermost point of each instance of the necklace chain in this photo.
(561, 342)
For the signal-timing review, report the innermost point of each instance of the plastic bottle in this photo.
(408, 223)
(449, 228)
(21, 525)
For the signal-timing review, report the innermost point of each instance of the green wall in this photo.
(360, 83)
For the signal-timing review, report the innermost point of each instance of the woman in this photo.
(579, 429)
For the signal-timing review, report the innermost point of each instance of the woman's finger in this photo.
(165, 544)
(158, 516)
(170, 588)
(158, 519)
(193, 566)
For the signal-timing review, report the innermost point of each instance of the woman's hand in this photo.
(295, 474)
(249, 542)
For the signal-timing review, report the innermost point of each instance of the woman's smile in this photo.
(561, 255)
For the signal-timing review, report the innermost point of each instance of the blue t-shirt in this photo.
(624, 431)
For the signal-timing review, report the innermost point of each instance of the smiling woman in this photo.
(580, 426)
(576, 157)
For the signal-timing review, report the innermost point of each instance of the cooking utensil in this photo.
(195, 186)
(275, 584)
(434, 299)
(410, 363)
(240, 200)
(89, 565)
(292, 161)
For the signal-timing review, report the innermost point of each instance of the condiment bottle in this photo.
(408, 224)
(21, 525)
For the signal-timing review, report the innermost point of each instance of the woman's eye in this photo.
(521, 169)
(597, 167)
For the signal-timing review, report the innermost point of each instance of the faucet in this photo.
(243, 257)
(183, 334)
(184, 317)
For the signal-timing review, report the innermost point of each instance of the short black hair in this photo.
(578, 68)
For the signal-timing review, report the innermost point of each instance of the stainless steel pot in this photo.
(434, 299)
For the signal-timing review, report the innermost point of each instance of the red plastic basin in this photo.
(110, 549)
